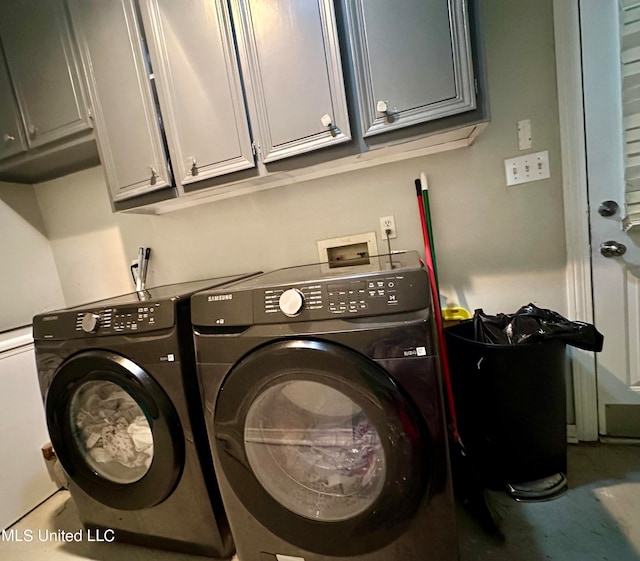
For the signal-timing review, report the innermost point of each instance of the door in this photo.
(615, 272)
(115, 430)
(322, 447)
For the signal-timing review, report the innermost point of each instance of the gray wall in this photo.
(28, 277)
(497, 247)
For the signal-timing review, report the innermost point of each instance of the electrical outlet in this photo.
(388, 223)
(524, 169)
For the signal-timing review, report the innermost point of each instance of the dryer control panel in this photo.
(379, 295)
(350, 297)
(102, 321)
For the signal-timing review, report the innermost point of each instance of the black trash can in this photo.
(511, 411)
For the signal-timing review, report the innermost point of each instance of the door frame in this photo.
(566, 17)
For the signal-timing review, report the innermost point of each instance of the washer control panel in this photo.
(97, 322)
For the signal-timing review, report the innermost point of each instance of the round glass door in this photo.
(321, 446)
(111, 431)
(115, 430)
(314, 450)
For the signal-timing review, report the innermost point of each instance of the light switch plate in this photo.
(531, 167)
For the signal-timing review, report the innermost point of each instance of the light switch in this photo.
(523, 169)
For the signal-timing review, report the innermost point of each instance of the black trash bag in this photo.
(530, 324)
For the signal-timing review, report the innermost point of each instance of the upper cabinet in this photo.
(292, 70)
(46, 129)
(44, 69)
(199, 87)
(213, 95)
(411, 61)
(176, 106)
(127, 124)
(12, 141)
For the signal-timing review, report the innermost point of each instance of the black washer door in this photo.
(115, 430)
(321, 446)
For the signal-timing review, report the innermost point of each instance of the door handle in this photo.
(608, 208)
(612, 249)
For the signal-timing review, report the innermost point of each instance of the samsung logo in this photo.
(50, 318)
(218, 297)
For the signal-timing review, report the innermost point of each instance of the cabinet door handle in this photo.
(154, 176)
(327, 121)
(383, 107)
(8, 137)
(194, 167)
(33, 130)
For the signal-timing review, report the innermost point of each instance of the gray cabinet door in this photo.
(412, 61)
(44, 69)
(198, 80)
(290, 60)
(11, 138)
(127, 124)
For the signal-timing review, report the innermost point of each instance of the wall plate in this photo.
(325, 247)
(523, 169)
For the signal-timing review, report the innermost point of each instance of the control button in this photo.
(90, 322)
(291, 302)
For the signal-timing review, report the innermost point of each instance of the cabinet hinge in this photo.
(255, 148)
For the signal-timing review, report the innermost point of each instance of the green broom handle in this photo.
(427, 213)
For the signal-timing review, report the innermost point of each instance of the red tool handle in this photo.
(444, 359)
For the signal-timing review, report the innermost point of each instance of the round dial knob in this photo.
(291, 302)
(90, 322)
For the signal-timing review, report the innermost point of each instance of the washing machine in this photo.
(323, 403)
(125, 419)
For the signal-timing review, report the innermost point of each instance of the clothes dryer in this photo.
(324, 409)
(124, 414)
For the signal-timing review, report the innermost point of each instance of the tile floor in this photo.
(598, 519)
